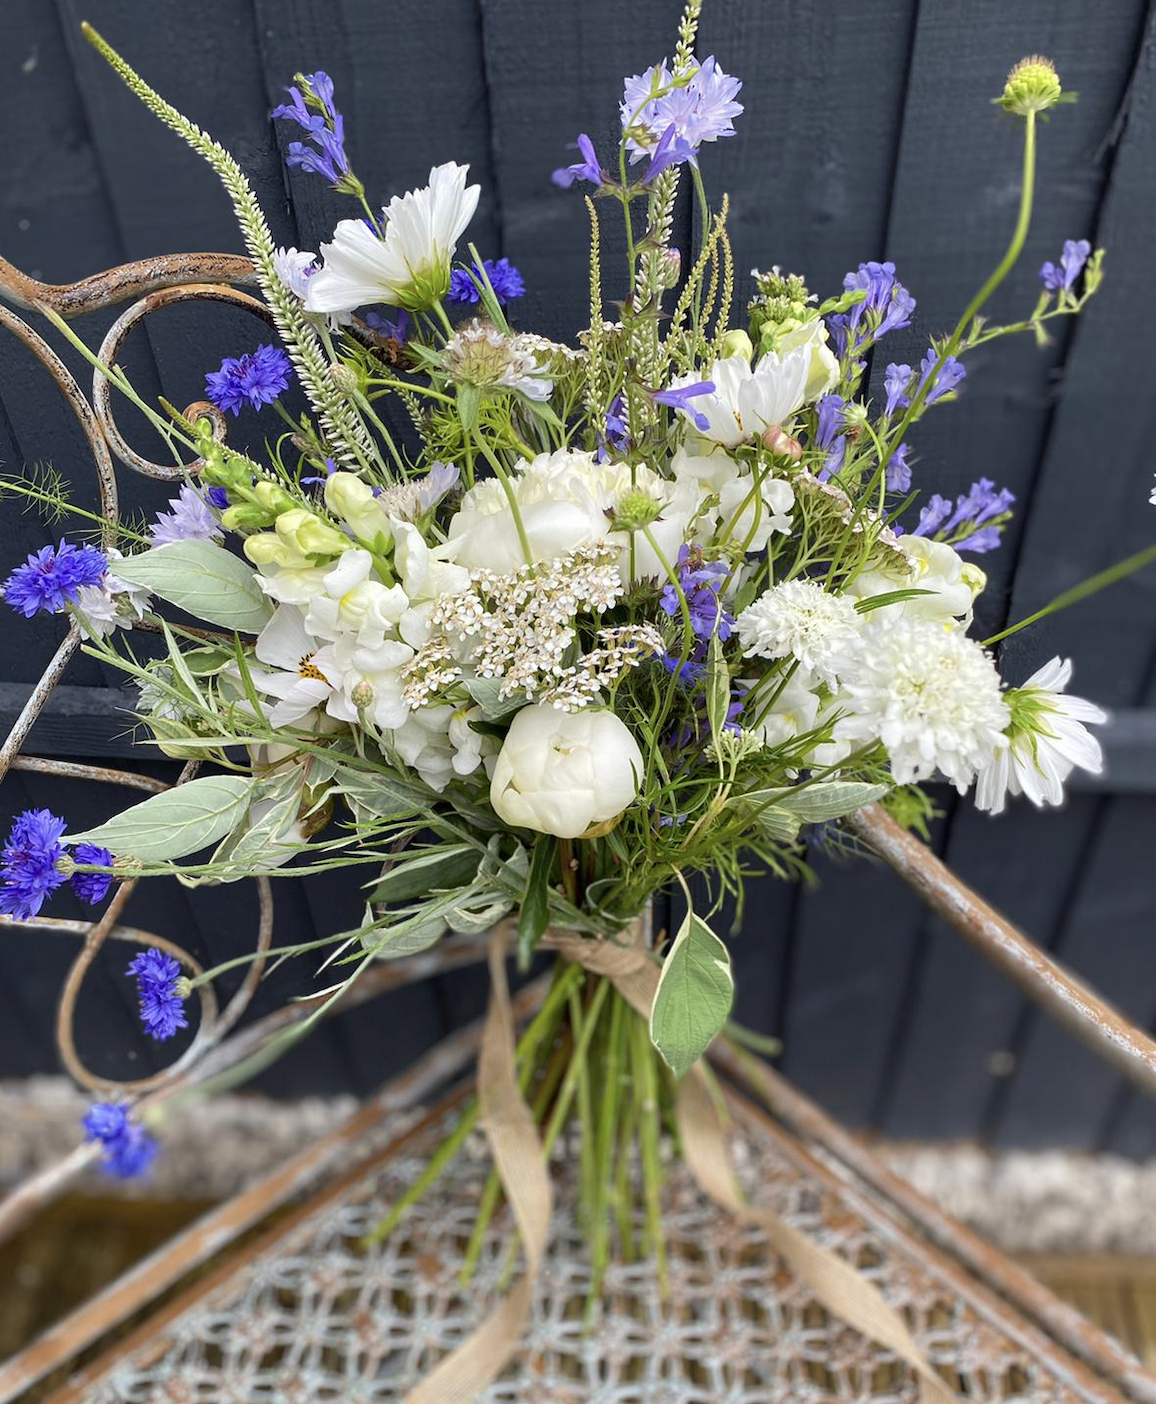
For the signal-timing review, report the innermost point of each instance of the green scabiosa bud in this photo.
(1032, 86)
(633, 511)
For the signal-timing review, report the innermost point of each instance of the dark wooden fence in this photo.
(868, 134)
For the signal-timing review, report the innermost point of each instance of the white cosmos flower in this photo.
(1045, 741)
(930, 694)
(734, 510)
(747, 400)
(304, 676)
(800, 619)
(563, 498)
(409, 264)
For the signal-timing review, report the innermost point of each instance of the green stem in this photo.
(646, 1083)
(508, 488)
(1081, 591)
(433, 1169)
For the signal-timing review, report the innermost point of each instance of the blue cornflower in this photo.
(129, 1150)
(28, 872)
(897, 474)
(91, 887)
(257, 379)
(504, 278)
(1072, 260)
(829, 411)
(701, 582)
(895, 382)
(162, 1010)
(678, 397)
(314, 111)
(189, 519)
(217, 497)
(52, 578)
(586, 169)
(697, 110)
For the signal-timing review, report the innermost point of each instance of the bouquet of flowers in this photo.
(526, 632)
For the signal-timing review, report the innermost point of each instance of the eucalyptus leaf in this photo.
(718, 687)
(485, 691)
(204, 580)
(260, 844)
(694, 996)
(381, 796)
(776, 822)
(178, 822)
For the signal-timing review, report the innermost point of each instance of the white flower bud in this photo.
(562, 772)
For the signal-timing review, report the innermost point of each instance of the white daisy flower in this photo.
(1044, 742)
(799, 619)
(930, 694)
(408, 265)
(301, 674)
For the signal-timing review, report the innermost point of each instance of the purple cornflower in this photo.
(189, 520)
(396, 329)
(129, 1150)
(1057, 278)
(162, 1010)
(829, 411)
(701, 582)
(28, 872)
(677, 397)
(685, 114)
(895, 383)
(257, 379)
(314, 111)
(52, 578)
(586, 169)
(91, 887)
(504, 278)
(897, 474)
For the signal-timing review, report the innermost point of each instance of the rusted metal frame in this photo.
(215, 1230)
(110, 349)
(77, 770)
(38, 697)
(960, 1283)
(1030, 1297)
(1070, 1002)
(39, 1190)
(116, 285)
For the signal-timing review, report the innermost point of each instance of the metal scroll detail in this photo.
(155, 283)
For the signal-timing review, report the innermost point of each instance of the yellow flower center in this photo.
(307, 669)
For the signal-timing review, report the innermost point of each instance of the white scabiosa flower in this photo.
(408, 265)
(1046, 740)
(746, 400)
(562, 772)
(799, 619)
(930, 694)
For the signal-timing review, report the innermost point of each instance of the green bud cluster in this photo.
(1033, 85)
(781, 305)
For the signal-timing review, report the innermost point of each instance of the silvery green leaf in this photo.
(381, 796)
(485, 691)
(428, 872)
(776, 822)
(718, 687)
(481, 909)
(262, 841)
(694, 996)
(204, 580)
(178, 822)
(827, 799)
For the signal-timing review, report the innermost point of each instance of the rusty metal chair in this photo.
(300, 1310)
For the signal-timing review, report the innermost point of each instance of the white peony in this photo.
(953, 583)
(409, 264)
(563, 498)
(562, 772)
(731, 508)
(746, 400)
(931, 695)
(1045, 742)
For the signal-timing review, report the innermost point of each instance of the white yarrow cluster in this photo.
(800, 619)
(930, 694)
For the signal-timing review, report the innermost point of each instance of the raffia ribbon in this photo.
(517, 1152)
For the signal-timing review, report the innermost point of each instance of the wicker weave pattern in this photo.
(315, 1319)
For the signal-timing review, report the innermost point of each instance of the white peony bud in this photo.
(562, 772)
